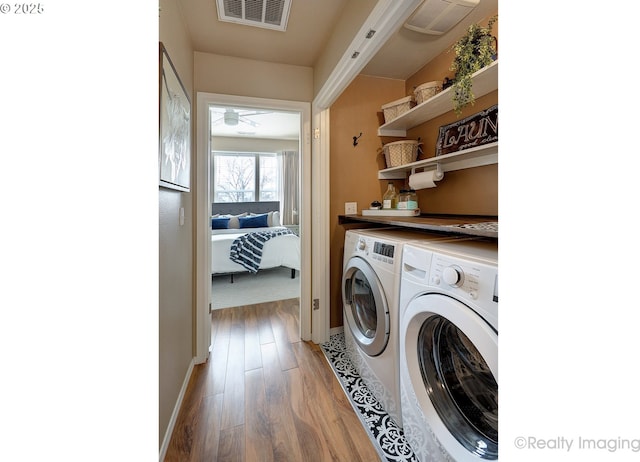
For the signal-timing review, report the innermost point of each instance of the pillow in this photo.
(254, 221)
(275, 219)
(220, 223)
(233, 220)
(272, 220)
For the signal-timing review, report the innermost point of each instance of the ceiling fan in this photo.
(233, 117)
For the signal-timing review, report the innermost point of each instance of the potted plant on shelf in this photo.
(474, 50)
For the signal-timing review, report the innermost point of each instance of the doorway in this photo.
(227, 115)
(255, 172)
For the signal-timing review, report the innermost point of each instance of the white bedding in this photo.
(278, 251)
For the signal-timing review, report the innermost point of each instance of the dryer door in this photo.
(451, 357)
(365, 306)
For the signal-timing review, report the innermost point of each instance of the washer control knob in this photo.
(362, 244)
(453, 275)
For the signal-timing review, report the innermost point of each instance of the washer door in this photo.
(451, 357)
(365, 306)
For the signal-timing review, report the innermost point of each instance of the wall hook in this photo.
(355, 139)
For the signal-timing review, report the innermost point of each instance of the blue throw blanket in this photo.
(246, 250)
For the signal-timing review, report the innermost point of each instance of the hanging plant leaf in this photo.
(474, 50)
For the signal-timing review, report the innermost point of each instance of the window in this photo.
(245, 176)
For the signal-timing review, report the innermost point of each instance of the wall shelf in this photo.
(486, 154)
(484, 81)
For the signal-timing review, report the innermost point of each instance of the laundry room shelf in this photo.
(480, 226)
(391, 213)
(484, 81)
(468, 158)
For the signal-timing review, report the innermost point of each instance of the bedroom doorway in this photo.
(255, 136)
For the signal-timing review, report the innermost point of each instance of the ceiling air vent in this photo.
(436, 17)
(270, 14)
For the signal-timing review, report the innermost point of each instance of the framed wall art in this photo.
(174, 157)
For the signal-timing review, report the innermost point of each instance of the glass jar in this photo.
(408, 199)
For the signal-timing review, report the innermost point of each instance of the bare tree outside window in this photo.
(235, 177)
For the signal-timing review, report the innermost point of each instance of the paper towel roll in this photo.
(424, 180)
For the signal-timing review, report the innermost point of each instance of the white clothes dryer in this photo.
(370, 293)
(449, 350)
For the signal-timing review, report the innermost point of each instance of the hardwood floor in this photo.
(265, 395)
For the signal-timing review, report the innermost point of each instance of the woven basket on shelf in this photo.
(397, 108)
(400, 152)
(426, 90)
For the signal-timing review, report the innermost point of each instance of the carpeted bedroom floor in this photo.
(249, 289)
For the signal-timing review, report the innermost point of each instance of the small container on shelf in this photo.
(400, 152)
(446, 83)
(408, 199)
(398, 107)
(390, 198)
(427, 90)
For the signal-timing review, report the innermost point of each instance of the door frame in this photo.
(203, 210)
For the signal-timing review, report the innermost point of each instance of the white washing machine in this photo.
(370, 293)
(449, 350)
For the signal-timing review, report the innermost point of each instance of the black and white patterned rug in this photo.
(383, 431)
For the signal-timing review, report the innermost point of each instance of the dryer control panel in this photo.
(377, 250)
(468, 279)
(383, 251)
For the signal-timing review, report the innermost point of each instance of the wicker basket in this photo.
(397, 108)
(400, 152)
(427, 90)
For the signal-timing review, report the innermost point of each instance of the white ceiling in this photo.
(309, 27)
(256, 123)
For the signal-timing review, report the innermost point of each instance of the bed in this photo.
(248, 237)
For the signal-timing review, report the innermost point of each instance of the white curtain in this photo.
(289, 187)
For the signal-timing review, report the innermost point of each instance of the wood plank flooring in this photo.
(264, 395)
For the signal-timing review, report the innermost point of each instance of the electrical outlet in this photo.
(350, 208)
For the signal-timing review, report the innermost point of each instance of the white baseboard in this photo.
(176, 411)
(336, 330)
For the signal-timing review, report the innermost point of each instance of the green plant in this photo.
(474, 50)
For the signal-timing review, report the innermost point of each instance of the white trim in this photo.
(305, 217)
(204, 100)
(176, 410)
(202, 233)
(336, 330)
(321, 243)
(385, 18)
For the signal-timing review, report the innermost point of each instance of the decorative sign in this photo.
(470, 132)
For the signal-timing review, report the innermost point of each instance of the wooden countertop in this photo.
(456, 224)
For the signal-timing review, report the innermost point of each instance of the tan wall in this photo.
(246, 77)
(354, 170)
(176, 245)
